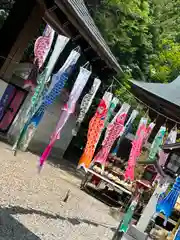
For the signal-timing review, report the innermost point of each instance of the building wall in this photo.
(46, 128)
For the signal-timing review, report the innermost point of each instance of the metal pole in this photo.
(118, 235)
(126, 220)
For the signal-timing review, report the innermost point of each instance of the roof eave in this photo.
(145, 89)
(83, 29)
(171, 146)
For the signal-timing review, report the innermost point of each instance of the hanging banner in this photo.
(170, 139)
(111, 109)
(42, 47)
(85, 104)
(127, 129)
(96, 126)
(155, 147)
(38, 95)
(165, 204)
(41, 90)
(114, 129)
(58, 82)
(136, 149)
(68, 109)
(128, 216)
(158, 140)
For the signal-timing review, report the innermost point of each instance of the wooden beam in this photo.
(13, 25)
(103, 51)
(28, 31)
(53, 21)
(74, 21)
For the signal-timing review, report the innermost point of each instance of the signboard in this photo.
(3, 86)
(6, 94)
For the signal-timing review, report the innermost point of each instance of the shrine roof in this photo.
(169, 91)
(171, 146)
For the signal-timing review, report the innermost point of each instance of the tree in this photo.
(144, 35)
(125, 27)
(166, 18)
(165, 65)
(165, 28)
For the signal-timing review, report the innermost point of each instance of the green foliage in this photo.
(166, 18)
(144, 35)
(125, 26)
(165, 64)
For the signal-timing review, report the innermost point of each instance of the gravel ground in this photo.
(32, 205)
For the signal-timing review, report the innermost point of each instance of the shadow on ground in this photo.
(55, 158)
(11, 229)
(5, 214)
(105, 198)
(67, 166)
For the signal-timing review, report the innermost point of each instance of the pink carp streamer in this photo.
(47, 151)
(68, 109)
(96, 126)
(42, 47)
(114, 129)
(136, 149)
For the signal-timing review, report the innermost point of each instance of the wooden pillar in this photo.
(19, 28)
